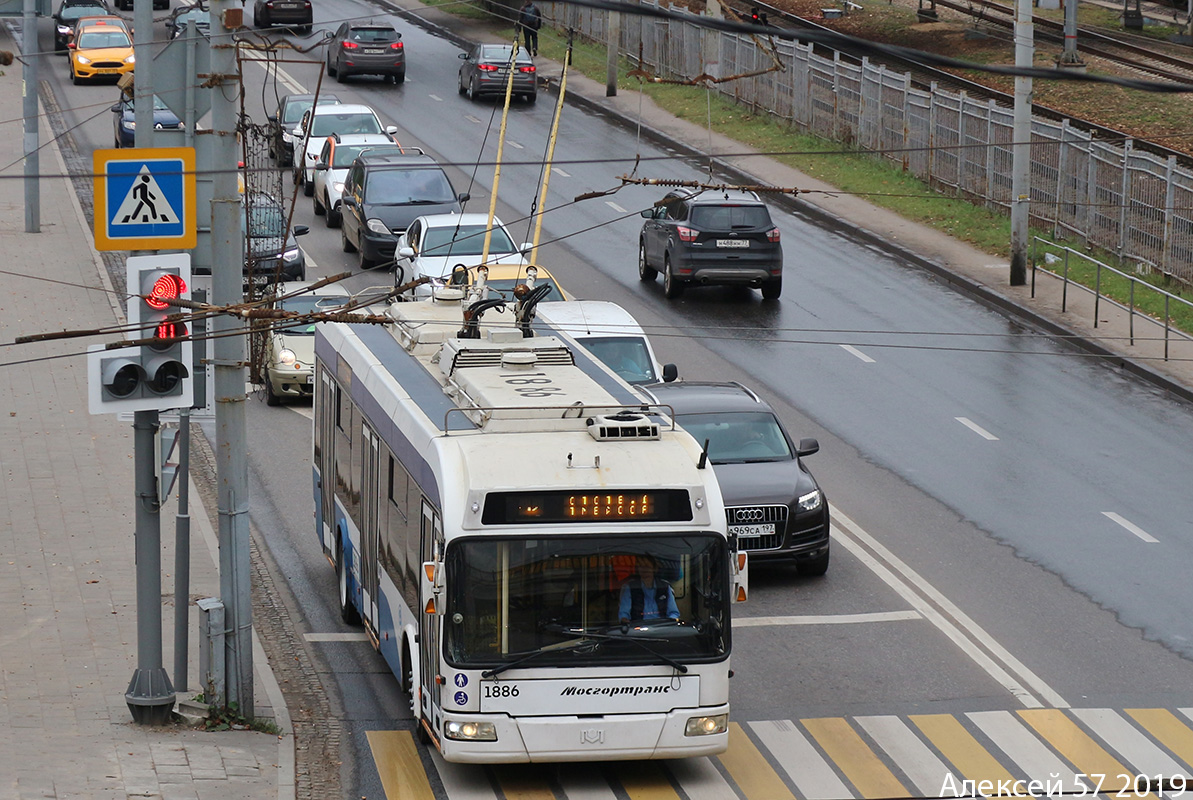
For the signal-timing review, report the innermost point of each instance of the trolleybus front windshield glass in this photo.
(567, 601)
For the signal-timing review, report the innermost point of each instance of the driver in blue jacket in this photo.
(644, 596)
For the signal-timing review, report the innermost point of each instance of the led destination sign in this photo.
(619, 505)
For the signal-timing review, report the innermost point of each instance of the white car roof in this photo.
(343, 108)
(365, 138)
(452, 220)
(589, 317)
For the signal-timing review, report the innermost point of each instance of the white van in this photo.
(610, 334)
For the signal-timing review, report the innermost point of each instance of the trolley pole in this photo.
(227, 288)
(182, 554)
(150, 697)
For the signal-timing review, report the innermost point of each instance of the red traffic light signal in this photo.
(168, 286)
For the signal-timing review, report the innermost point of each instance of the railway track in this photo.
(923, 76)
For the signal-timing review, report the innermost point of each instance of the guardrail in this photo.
(1050, 256)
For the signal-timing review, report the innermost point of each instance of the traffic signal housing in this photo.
(155, 375)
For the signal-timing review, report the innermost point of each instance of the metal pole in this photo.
(1021, 146)
(227, 258)
(143, 83)
(150, 697)
(611, 51)
(182, 554)
(192, 42)
(1070, 58)
(29, 111)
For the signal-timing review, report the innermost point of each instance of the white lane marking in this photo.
(976, 428)
(1131, 526)
(355, 636)
(828, 619)
(917, 761)
(616, 207)
(288, 80)
(306, 411)
(515, 145)
(966, 634)
(472, 119)
(807, 769)
(436, 98)
(560, 172)
(848, 348)
(1020, 743)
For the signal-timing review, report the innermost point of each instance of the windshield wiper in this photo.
(558, 647)
(665, 658)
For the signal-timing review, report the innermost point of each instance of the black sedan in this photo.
(296, 14)
(774, 506)
(486, 69)
(68, 14)
(124, 120)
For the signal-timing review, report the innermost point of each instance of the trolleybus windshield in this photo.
(582, 600)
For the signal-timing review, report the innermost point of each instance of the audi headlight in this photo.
(470, 731)
(706, 726)
(286, 356)
(131, 59)
(810, 501)
(377, 226)
(83, 59)
(291, 254)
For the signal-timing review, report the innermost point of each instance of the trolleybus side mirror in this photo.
(429, 587)
(741, 576)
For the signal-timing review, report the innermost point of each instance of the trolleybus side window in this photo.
(397, 532)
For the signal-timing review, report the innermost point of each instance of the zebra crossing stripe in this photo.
(813, 777)
(1035, 761)
(749, 768)
(909, 753)
(645, 780)
(582, 781)
(522, 782)
(458, 784)
(699, 778)
(1168, 730)
(855, 758)
(960, 747)
(1143, 756)
(1077, 746)
(398, 764)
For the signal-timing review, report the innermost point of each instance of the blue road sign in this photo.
(145, 199)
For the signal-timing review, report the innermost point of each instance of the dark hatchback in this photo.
(485, 72)
(716, 238)
(296, 14)
(273, 253)
(69, 13)
(124, 120)
(774, 506)
(366, 49)
(383, 194)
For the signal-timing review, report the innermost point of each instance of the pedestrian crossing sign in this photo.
(145, 199)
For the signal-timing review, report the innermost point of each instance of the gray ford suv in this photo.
(774, 506)
(710, 237)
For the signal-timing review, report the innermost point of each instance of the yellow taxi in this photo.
(100, 51)
(502, 278)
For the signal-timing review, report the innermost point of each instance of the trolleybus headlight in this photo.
(706, 726)
(810, 501)
(473, 731)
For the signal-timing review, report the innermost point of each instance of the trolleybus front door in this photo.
(369, 530)
(325, 461)
(428, 637)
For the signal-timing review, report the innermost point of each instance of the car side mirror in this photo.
(302, 230)
(391, 129)
(405, 252)
(463, 197)
(807, 447)
(297, 131)
(647, 214)
(526, 248)
(116, 108)
(670, 373)
(321, 165)
(463, 55)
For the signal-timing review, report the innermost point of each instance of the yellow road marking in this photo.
(1168, 728)
(961, 748)
(523, 782)
(644, 780)
(398, 764)
(1082, 751)
(855, 758)
(750, 769)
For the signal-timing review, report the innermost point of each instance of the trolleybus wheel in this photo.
(347, 610)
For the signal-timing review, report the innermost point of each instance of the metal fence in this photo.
(1100, 195)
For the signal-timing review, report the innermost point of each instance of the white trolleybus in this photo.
(541, 558)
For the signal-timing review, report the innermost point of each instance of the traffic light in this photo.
(156, 375)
